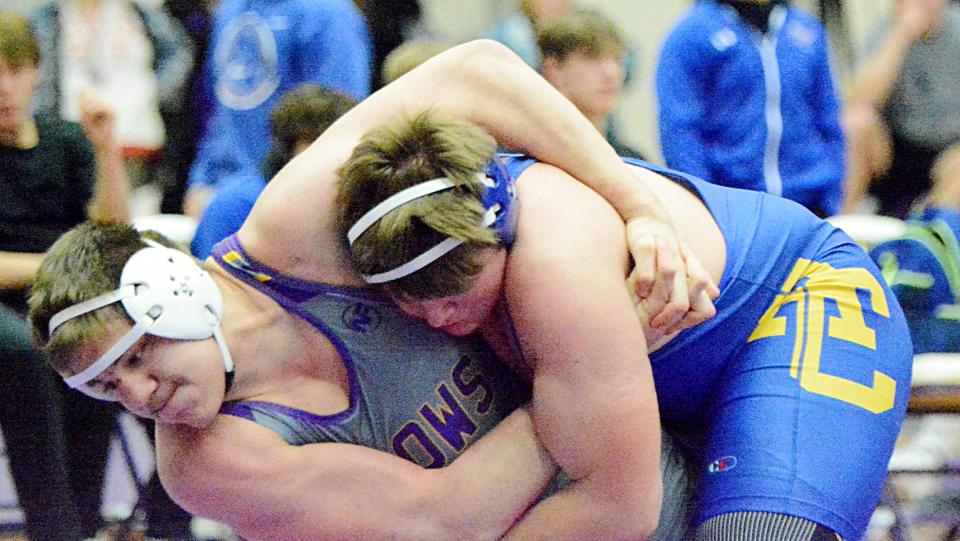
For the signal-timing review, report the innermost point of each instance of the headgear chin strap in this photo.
(499, 198)
(166, 294)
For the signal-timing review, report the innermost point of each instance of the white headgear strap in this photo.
(166, 294)
(396, 201)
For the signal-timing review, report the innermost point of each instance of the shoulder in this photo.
(202, 470)
(809, 23)
(557, 211)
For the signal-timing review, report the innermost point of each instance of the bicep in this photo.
(593, 391)
(594, 399)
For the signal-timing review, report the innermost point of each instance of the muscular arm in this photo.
(485, 83)
(594, 403)
(245, 476)
(872, 83)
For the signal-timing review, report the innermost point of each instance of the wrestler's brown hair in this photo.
(404, 153)
(83, 263)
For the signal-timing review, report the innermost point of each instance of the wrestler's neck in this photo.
(271, 348)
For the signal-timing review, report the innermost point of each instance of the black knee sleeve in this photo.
(762, 526)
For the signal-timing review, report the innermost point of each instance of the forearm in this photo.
(496, 480)
(17, 270)
(523, 110)
(585, 511)
(552, 129)
(110, 201)
(487, 84)
(614, 461)
(872, 83)
(265, 489)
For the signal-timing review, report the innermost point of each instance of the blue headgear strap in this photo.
(501, 193)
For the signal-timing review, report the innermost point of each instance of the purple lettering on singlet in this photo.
(468, 387)
(452, 422)
(413, 434)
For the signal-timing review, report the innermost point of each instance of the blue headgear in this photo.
(499, 198)
(166, 294)
(501, 194)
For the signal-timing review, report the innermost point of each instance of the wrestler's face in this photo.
(463, 314)
(16, 92)
(169, 381)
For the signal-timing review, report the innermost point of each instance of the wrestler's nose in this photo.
(135, 391)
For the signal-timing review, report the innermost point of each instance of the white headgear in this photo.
(166, 294)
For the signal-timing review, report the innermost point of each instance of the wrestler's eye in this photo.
(136, 355)
(104, 387)
(134, 360)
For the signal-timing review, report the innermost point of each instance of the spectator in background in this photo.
(408, 56)
(747, 100)
(923, 265)
(582, 56)
(136, 56)
(300, 116)
(52, 177)
(391, 22)
(902, 108)
(187, 117)
(258, 51)
(518, 31)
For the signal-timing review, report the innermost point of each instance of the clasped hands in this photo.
(670, 288)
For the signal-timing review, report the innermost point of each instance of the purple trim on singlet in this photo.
(244, 410)
(289, 292)
(295, 289)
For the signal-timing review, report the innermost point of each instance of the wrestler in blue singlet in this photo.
(414, 391)
(808, 358)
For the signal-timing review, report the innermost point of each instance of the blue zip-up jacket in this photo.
(750, 110)
(259, 49)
